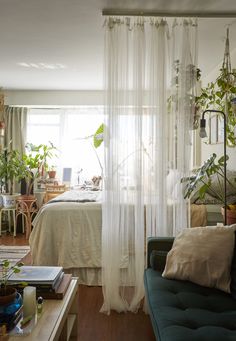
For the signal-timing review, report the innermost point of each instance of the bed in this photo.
(67, 232)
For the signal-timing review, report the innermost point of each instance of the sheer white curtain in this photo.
(137, 154)
(183, 91)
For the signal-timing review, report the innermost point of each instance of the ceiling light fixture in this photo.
(42, 66)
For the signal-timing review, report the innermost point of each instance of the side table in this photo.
(59, 319)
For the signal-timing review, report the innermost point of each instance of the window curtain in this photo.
(15, 119)
(184, 53)
(138, 153)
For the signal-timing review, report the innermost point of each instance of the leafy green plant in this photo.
(7, 270)
(98, 136)
(218, 95)
(36, 161)
(11, 167)
(201, 181)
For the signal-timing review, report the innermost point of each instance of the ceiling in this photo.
(58, 44)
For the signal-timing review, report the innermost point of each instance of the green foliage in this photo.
(98, 136)
(38, 156)
(218, 95)
(15, 167)
(7, 270)
(36, 161)
(201, 181)
(11, 167)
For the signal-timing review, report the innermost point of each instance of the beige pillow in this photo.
(203, 256)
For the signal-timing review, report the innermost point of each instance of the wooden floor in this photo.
(94, 325)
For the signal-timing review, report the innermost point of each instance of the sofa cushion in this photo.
(184, 311)
(202, 255)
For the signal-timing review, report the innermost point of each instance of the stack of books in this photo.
(50, 281)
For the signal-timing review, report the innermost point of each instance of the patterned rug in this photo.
(13, 253)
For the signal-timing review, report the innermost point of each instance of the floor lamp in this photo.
(204, 134)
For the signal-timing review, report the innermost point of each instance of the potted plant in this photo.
(52, 172)
(220, 95)
(203, 181)
(7, 292)
(36, 163)
(11, 169)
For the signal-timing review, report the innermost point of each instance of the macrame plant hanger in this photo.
(227, 71)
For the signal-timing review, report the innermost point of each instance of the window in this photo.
(67, 129)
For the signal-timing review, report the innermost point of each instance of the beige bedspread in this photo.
(67, 234)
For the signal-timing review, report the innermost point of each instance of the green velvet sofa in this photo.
(184, 311)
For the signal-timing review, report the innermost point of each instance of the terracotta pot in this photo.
(7, 295)
(52, 174)
(230, 214)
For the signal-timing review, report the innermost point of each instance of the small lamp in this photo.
(203, 134)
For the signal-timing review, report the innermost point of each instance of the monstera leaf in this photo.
(98, 136)
(203, 176)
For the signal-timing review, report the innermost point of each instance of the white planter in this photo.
(9, 201)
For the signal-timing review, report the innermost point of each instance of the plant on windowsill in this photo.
(52, 172)
(97, 138)
(209, 178)
(36, 163)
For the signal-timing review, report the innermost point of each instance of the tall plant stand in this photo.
(26, 207)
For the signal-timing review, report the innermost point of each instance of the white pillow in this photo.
(202, 255)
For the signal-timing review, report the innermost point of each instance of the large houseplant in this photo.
(11, 169)
(209, 178)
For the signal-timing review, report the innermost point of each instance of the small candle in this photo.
(29, 301)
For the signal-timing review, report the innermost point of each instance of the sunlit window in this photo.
(69, 131)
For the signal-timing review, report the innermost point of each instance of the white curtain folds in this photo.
(182, 112)
(137, 201)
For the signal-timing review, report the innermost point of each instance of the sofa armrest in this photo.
(159, 244)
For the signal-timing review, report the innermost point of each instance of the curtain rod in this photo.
(120, 12)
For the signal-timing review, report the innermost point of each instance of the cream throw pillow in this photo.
(202, 255)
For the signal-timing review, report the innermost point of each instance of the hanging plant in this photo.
(221, 95)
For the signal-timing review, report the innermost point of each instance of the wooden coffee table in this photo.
(59, 319)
